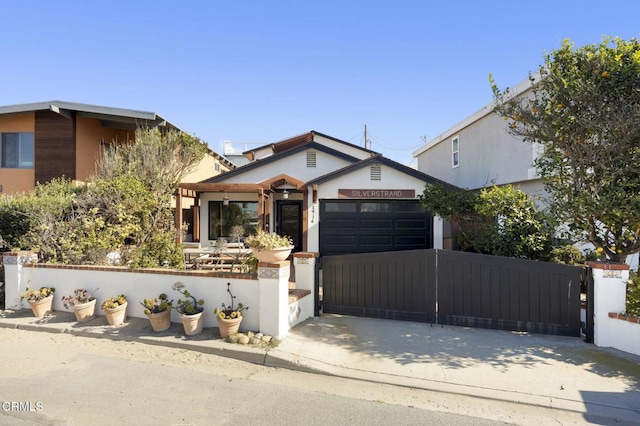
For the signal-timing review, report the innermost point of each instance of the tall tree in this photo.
(160, 159)
(583, 109)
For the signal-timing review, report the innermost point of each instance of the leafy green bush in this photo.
(500, 220)
(159, 250)
(633, 294)
(568, 255)
(22, 216)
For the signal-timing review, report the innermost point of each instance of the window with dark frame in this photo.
(224, 217)
(16, 150)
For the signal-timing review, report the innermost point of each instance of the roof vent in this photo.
(311, 158)
(376, 172)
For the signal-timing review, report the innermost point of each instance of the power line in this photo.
(377, 141)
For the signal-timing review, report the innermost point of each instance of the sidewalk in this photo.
(545, 371)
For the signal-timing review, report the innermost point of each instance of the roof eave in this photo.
(517, 90)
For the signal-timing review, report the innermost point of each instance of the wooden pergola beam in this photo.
(222, 187)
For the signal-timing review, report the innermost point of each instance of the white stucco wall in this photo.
(267, 296)
(294, 165)
(610, 297)
(140, 286)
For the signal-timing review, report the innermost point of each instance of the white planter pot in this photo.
(273, 255)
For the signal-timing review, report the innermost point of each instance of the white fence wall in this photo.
(610, 298)
(266, 295)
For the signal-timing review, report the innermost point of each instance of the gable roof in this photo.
(387, 162)
(295, 141)
(267, 160)
(109, 116)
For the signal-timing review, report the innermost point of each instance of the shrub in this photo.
(126, 209)
(568, 255)
(633, 294)
(498, 220)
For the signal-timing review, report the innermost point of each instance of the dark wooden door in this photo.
(290, 221)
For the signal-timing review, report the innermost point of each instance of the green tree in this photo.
(583, 110)
(159, 159)
(501, 220)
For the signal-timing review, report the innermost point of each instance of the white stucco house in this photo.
(330, 196)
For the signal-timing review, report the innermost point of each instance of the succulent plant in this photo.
(157, 305)
(230, 312)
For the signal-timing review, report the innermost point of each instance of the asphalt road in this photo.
(60, 379)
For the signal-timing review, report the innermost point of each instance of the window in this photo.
(455, 152)
(376, 172)
(222, 218)
(16, 150)
(375, 207)
(311, 159)
(340, 207)
(217, 166)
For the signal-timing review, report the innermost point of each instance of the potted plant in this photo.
(229, 317)
(269, 246)
(83, 303)
(158, 311)
(41, 300)
(115, 309)
(190, 310)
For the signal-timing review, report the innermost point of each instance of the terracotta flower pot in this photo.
(273, 255)
(192, 324)
(116, 316)
(85, 311)
(42, 307)
(160, 321)
(228, 326)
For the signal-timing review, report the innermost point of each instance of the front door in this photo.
(289, 221)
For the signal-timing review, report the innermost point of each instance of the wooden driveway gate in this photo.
(455, 288)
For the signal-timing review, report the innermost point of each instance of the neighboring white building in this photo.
(478, 152)
(330, 196)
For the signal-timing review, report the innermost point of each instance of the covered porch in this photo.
(217, 207)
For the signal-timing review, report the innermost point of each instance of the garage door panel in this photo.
(341, 240)
(371, 240)
(411, 224)
(376, 224)
(342, 224)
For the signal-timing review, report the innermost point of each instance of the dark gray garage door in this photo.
(366, 226)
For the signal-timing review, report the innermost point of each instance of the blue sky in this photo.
(262, 71)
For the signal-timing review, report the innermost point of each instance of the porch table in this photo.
(214, 258)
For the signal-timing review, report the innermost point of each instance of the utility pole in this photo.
(366, 139)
